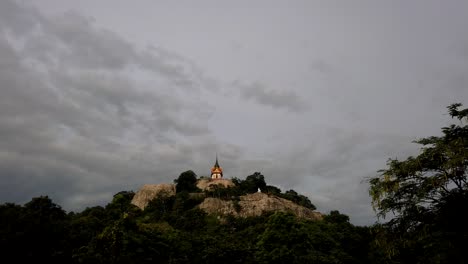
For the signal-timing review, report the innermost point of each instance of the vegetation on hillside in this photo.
(252, 184)
(172, 230)
(425, 198)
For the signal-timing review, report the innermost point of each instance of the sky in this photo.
(98, 97)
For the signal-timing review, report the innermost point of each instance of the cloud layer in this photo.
(83, 113)
(316, 97)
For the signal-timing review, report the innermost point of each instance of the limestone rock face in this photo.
(150, 191)
(247, 205)
(206, 184)
(255, 204)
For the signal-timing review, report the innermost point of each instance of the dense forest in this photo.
(425, 200)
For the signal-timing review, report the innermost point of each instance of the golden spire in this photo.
(216, 171)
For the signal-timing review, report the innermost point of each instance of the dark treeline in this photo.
(425, 196)
(173, 230)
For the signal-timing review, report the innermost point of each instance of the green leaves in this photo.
(416, 191)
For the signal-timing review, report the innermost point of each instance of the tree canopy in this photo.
(426, 197)
(187, 181)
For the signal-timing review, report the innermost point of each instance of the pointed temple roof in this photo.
(216, 168)
(216, 164)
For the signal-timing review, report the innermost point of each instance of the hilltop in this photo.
(223, 197)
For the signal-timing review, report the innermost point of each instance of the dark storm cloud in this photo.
(82, 110)
(279, 99)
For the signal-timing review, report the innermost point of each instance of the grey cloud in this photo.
(88, 46)
(277, 99)
(25, 177)
(17, 18)
(72, 40)
(321, 66)
(76, 120)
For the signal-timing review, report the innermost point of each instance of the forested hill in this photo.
(173, 229)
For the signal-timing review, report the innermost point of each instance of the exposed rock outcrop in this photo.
(150, 191)
(255, 204)
(207, 184)
(247, 205)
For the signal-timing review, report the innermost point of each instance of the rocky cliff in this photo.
(255, 204)
(206, 184)
(247, 205)
(150, 191)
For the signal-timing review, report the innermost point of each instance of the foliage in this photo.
(298, 199)
(272, 190)
(424, 196)
(187, 181)
(254, 182)
(120, 204)
(160, 207)
(285, 240)
(36, 231)
(173, 230)
(251, 184)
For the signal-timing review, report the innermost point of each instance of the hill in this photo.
(247, 205)
(227, 221)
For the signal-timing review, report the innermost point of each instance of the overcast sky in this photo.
(98, 97)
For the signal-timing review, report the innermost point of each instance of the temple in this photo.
(216, 171)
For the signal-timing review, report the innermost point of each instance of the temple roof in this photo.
(216, 168)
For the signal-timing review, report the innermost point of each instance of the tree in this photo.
(285, 240)
(253, 182)
(187, 181)
(298, 199)
(424, 195)
(121, 203)
(44, 231)
(336, 217)
(272, 190)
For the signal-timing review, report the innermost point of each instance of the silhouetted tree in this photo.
(186, 182)
(425, 195)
